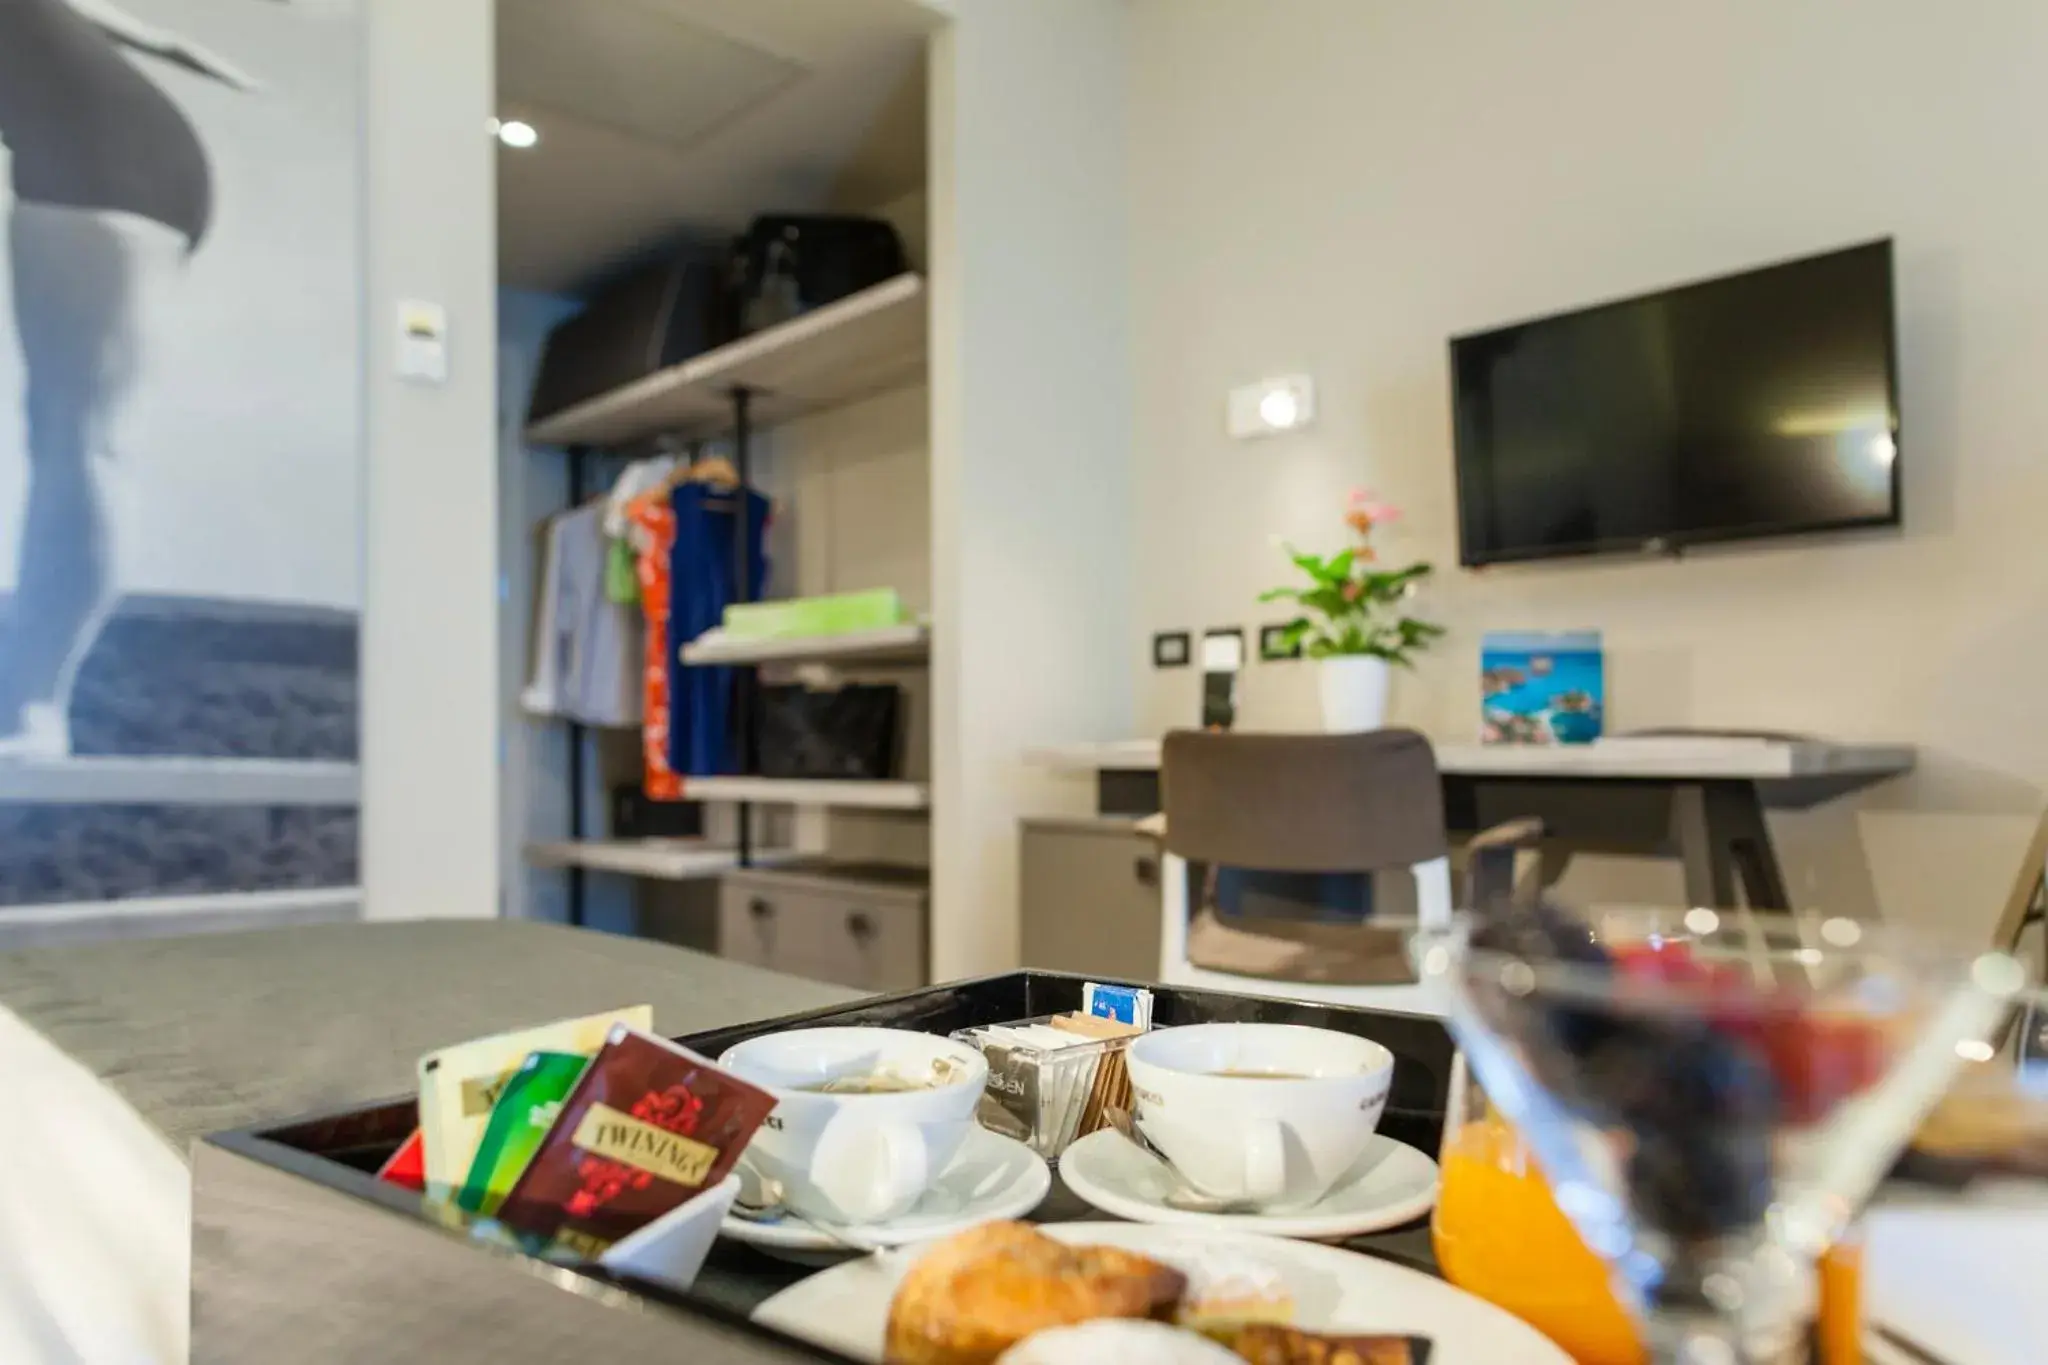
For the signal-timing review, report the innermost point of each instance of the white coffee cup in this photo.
(858, 1158)
(1279, 1137)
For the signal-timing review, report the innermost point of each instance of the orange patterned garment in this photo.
(654, 536)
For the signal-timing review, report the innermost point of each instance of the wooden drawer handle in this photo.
(860, 925)
(1147, 871)
(759, 908)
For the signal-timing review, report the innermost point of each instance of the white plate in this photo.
(990, 1177)
(1391, 1184)
(846, 1309)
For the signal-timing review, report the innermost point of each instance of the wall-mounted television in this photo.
(1758, 404)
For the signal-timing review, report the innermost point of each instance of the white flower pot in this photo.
(1354, 692)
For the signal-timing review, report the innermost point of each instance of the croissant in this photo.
(977, 1294)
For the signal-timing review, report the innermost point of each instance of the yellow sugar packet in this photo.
(460, 1084)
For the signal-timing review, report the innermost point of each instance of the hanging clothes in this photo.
(621, 568)
(587, 649)
(652, 528)
(701, 742)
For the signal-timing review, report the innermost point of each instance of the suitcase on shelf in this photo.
(786, 264)
(646, 320)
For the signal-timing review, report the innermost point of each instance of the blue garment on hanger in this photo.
(701, 742)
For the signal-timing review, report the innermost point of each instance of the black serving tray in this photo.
(300, 1252)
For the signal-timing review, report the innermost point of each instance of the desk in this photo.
(1700, 800)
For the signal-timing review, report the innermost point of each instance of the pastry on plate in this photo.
(980, 1292)
(1227, 1288)
(1118, 1341)
(1263, 1343)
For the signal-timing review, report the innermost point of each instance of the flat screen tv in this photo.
(1758, 404)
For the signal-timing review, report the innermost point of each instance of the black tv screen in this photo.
(1756, 404)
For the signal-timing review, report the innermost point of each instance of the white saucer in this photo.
(991, 1177)
(1391, 1184)
(846, 1308)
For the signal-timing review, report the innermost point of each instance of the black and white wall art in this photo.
(180, 447)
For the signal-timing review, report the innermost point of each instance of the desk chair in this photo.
(1274, 814)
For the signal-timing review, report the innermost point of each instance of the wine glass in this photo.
(1712, 1096)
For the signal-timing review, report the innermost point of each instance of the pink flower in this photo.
(1353, 590)
(1363, 511)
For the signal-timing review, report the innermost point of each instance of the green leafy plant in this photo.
(1351, 606)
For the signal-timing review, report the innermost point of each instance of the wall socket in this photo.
(1274, 646)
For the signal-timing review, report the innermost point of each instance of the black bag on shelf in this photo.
(636, 817)
(646, 320)
(786, 264)
(841, 732)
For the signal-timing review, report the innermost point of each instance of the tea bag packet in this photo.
(1009, 1106)
(459, 1086)
(407, 1167)
(524, 1114)
(648, 1126)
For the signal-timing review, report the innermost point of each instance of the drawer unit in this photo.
(863, 927)
(1090, 898)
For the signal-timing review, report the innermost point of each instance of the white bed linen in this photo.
(95, 1218)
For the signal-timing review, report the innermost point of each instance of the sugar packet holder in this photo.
(1053, 1078)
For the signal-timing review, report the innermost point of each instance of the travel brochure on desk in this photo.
(1541, 688)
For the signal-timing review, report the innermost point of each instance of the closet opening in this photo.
(715, 511)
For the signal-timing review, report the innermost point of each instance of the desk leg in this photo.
(1722, 840)
(1735, 814)
(1709, 877)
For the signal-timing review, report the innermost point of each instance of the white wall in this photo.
(533, 484)
(1030, 434)
(1340, 185)
(430, 617)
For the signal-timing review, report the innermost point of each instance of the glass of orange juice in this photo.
(1500, 1235)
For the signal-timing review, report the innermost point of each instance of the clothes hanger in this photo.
(716, 470)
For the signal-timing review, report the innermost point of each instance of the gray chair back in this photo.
(1295, 814)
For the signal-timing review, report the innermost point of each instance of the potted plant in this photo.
(1352, 622)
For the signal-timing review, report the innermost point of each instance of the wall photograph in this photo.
(180, 447)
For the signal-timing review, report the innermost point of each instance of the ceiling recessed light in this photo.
(517, 133)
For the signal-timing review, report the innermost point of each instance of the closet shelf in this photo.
(787, 791)
(864, 344)
(674, 860)
(888, 644)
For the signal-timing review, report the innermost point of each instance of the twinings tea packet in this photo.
(459, 1085)
(407, 1167)
(525, 1112)
(649, 1126)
